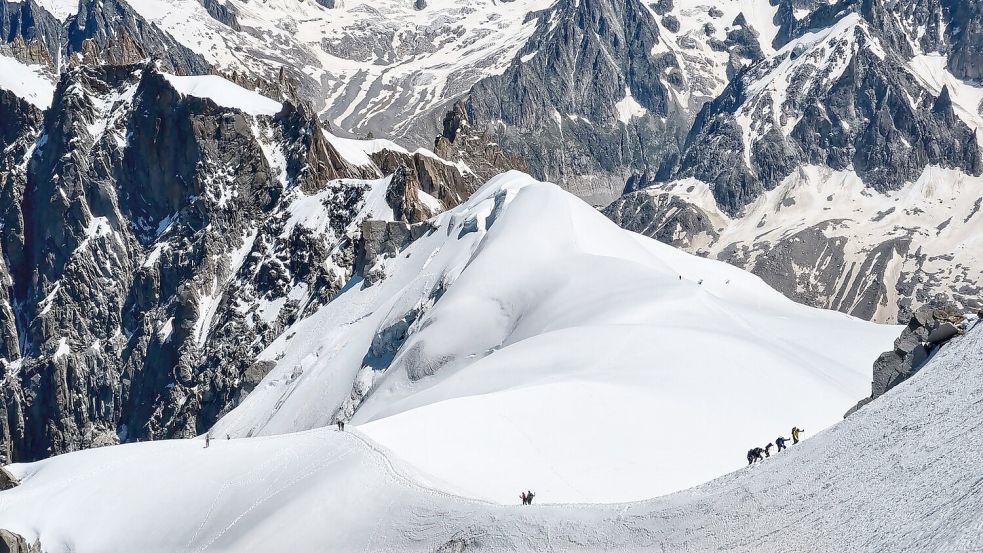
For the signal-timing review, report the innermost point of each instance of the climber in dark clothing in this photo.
(780, 442)
(754, 455)
(529, 496)
(768, 449)
(522, 497)
(795, 434)
(341, 425)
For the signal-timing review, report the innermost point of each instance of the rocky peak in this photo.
(30, 33)
(591, 81)
(928, 330)
(477, 149)
(110, 31)
(841, 101)
(311, 161)
(179, 252)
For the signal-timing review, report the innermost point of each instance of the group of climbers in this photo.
(526, 497)
(760, 453)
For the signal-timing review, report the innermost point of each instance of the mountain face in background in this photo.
(184, 180)
(844, 169)
(155, 241)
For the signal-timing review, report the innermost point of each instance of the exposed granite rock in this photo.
(30, 33)
(484, 158)
(223, 13)
(557, 104)
(403, 195)
(928, 330)
(15, 543)
(419, 172)
(666, 218)
(864, 122)
(380, 239)
(173, 262)
(863, 118)
(110, 31)
(7, 480)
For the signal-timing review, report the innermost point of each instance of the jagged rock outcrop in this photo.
(223, 13)
(843, 102)
(668, 219)
(30, 33)
(928, 330)
(381, 239)
(7, 480)
(424, 185)
(15, 543)
(156, 242)
(310, 158)
(483, 157)
(110, 31)
(856, 94)
(586, 96)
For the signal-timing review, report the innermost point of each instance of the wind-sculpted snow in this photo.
(899, 475)
(525, 338)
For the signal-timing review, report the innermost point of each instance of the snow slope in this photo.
(29, 82)
(527, 323)
(902, 474)
(224, 93)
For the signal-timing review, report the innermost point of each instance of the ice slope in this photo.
(902, 474)
(528, 341)
(29, 82)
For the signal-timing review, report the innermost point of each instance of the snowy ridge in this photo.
(850, 488)
(537, 345)
(224, 93)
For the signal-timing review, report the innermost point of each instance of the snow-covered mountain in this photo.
(851, 487)
(374, 67)
(253, 219)
(525, 322)
(844, 168)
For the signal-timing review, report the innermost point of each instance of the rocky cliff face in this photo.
(929, 329)
(110, 31)
(839, 98)
(588, 85)
(859, 118)
(154, 242)
(29, 33)
(15, 543)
